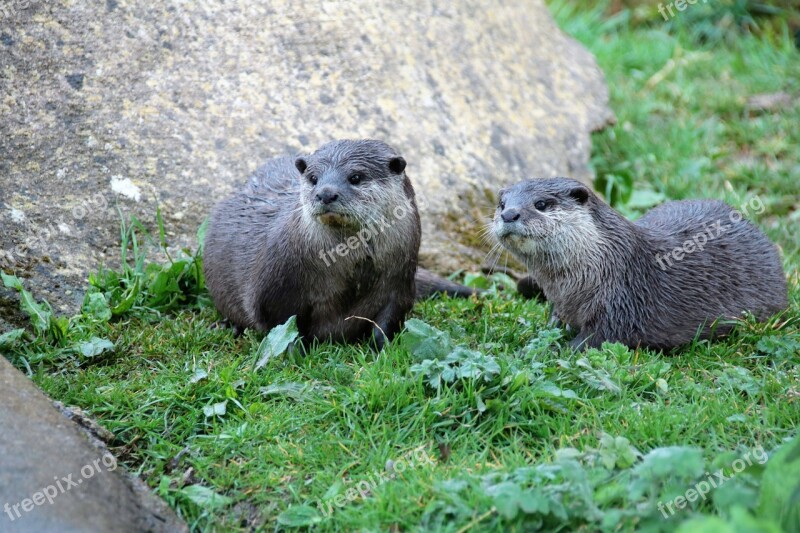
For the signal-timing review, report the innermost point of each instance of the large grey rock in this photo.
(52, 478)
(174, 103)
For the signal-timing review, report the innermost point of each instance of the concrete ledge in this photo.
(52, 478)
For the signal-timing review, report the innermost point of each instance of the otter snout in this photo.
(507, 222)
(329, 206)
(511, 214)
(327, 195)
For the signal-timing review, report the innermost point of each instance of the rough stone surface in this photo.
(137, 104)
(43, 452)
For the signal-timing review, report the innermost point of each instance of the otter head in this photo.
(350, 184)
(546, 222)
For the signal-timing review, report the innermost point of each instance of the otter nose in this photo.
(510, 215)
(326, 195)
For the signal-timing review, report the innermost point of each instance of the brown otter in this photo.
(658, 282)
(332, 238)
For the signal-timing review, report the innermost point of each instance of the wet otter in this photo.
(658, 282)
(332, 238)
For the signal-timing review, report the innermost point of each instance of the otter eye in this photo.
(502, 204)
(355, 179)
(312, 179)
(540, 205)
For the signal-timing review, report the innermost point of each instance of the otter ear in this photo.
(397, 165)
(581, 194)
(300, 164)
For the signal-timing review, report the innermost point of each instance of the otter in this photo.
(332, 238)
(658, 282)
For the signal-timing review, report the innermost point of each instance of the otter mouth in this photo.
(509, 231)
(515, 242)
(517, 238)
(335, 219)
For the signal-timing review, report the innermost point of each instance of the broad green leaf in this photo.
(672, 465)
(706, 524)
(780, 487)
(11, 282)
(739, 521)
(95, 346)
(198, 376)
(543, 343)
(616, 188)
(738, 417)
(739, 379)
(680, 460)
(735, 492)
(424, 341)
(503, 279)
(276, 342)
(597, 378)
(96, 307)
(476, 280)
(217, 409)
(333, 490)
(480, 405)
(201, 237)
(295, 391)
(780, 347)
(534, 502)
(645, 199)
(299, 516)
(617, 452)
(10, 338)
(205, 498)
(40, 314)
(547, 388)
(59, 328)
(128, 299)
(506, 499)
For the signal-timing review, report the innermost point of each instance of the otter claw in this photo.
(555, 322)
(378, 340)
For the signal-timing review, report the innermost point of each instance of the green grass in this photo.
(529, 445)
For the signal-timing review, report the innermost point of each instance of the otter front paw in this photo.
(554, 321)
(578, 343)
(378, 340)
(584, 340)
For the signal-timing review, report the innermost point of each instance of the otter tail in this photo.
(429, 284)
